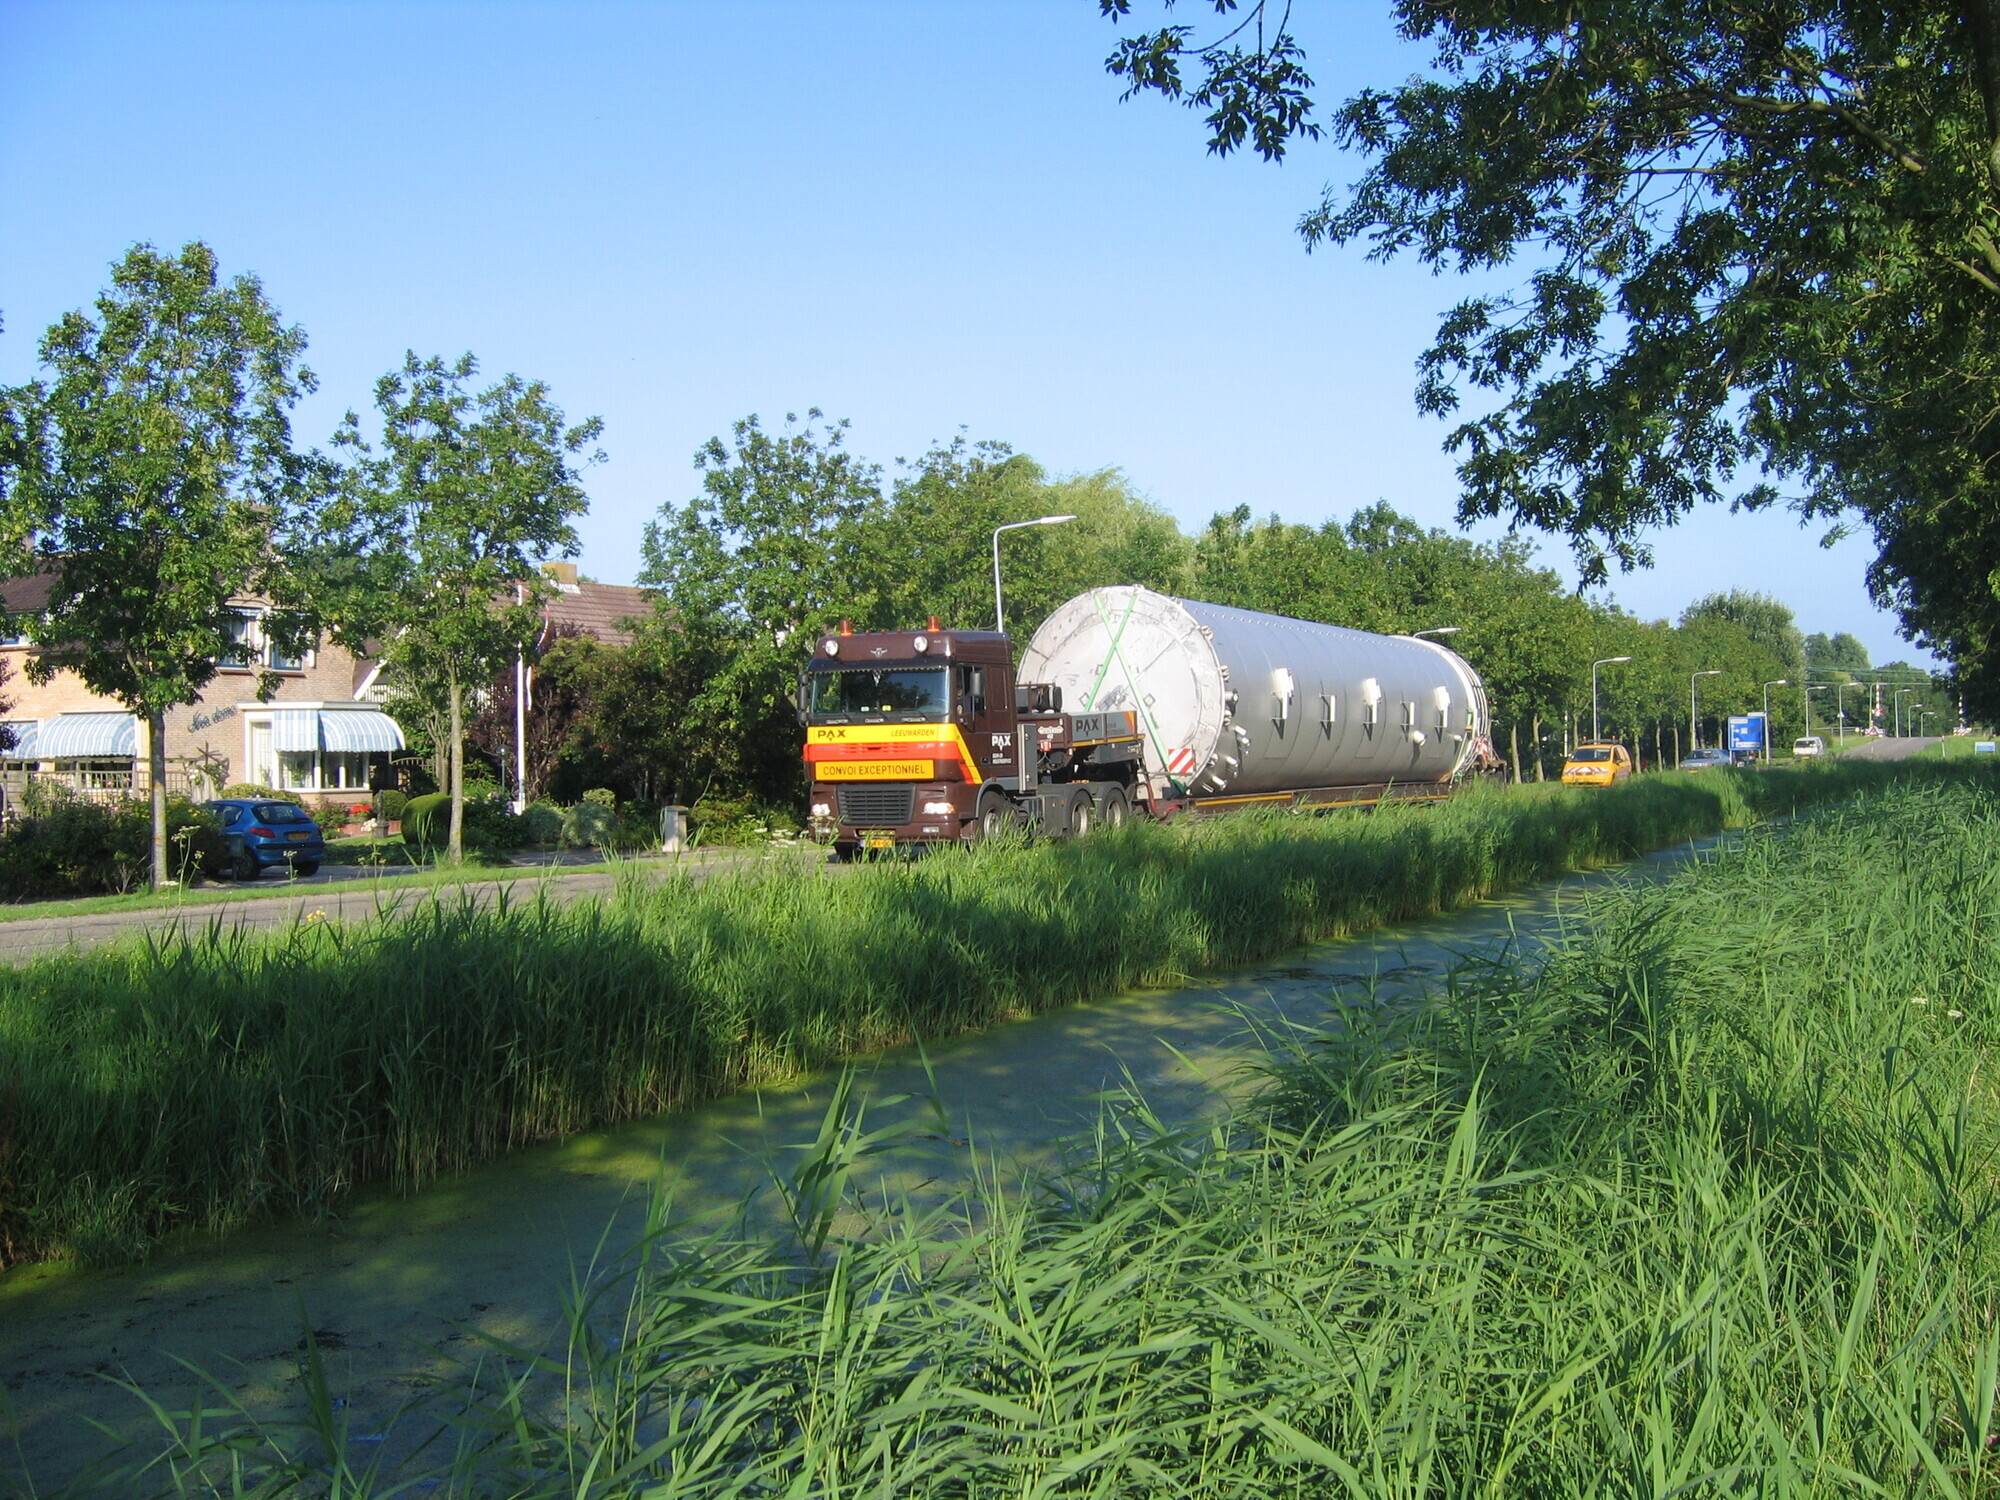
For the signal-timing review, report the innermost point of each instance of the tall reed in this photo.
(1705, 1204)
(202, 1080)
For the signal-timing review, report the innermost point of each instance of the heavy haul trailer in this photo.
(1126, 702)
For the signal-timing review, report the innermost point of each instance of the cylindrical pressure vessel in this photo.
(1233, 702)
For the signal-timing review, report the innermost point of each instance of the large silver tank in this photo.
(1234, 702)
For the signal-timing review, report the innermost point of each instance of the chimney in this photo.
(559, 572)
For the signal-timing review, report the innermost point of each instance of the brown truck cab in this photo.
(918, 737)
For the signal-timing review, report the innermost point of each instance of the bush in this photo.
(491, 826)
(543, 823)
(589, 825)
(738, 820)
(393, 803)
(427, 822)
(331, 819)
(602, 796)
(62, 845)
(252, 789)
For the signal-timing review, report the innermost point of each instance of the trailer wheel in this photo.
(1112, 808)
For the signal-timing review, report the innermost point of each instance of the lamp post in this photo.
(1775, 682)
(1597, 734)
(1694, 705)
(1840, 699)
(1896, 707)
(1805, 697)
(999, 619)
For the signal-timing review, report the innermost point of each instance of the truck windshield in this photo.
(880, 690)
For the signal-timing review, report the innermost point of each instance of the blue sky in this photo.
(918, 214)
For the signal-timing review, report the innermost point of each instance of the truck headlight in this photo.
(822, 810)
(937, 809)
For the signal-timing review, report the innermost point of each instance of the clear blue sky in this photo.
(914, 214)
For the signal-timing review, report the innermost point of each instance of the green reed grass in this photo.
(201, 1081)
(1704, 1204)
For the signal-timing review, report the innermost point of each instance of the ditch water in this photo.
(395, 1285)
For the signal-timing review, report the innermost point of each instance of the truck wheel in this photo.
(1112, 808)
(995, 818)
(1082, 814)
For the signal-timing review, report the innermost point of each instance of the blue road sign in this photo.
(1746, 733)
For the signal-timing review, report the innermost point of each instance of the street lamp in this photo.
(1694, 705)
(1805, 697)
(1597, 734)
(1840, 698)
(1896, 707)
(1775, 682)
(1436, 630)
(999, 619)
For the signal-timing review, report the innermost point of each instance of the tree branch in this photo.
(1983, 17)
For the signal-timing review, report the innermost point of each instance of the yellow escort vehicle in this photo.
(1597, 765)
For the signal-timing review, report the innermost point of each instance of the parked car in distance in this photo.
(261, 834)
(1597, 765)
(1806, 746)
(1706, 760)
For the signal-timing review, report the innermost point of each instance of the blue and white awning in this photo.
(27, 733)
(88, 737)
(295, 731)
(354, 731)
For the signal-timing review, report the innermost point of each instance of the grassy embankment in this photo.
(202, 1080)
(1705, 1204)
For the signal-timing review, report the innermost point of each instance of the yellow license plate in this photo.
(878, 841)
(874, 770)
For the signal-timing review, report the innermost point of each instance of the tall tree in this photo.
(1766, 260)
(432, 547)
(153, 469)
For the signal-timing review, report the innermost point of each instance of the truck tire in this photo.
(995, 817)
(1082, 813)
(1112, 807)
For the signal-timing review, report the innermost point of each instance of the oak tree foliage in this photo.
(1759, 252)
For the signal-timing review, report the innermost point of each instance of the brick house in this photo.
(318, 735)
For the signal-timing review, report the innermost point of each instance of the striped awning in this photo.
(358, 730)
(27, 734)
(88, 737)
(295, 730)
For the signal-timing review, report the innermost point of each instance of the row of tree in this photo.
(152, 477)
(793, 532)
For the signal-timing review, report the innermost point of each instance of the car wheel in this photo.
(306, 867)
(243, 867)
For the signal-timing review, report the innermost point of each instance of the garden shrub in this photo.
(64, 845)
(489, 825)
(331, 817)
(264, 793)
(393, 803)
(427, 821)
(602, 796)
(543, 823)
(589, 825)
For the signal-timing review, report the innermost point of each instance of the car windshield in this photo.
(880, 690)
(1591, 753)
(280, 812)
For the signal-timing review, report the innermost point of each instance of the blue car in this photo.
(261, 834)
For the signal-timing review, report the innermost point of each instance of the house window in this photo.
(241, 652)
(298, 771)
(282, 659)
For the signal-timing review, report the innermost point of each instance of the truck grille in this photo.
(877, 804)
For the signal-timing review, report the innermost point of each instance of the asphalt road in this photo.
(347, 897)
(1890, 747)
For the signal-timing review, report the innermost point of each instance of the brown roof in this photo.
(28, 594)
(601, 610)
